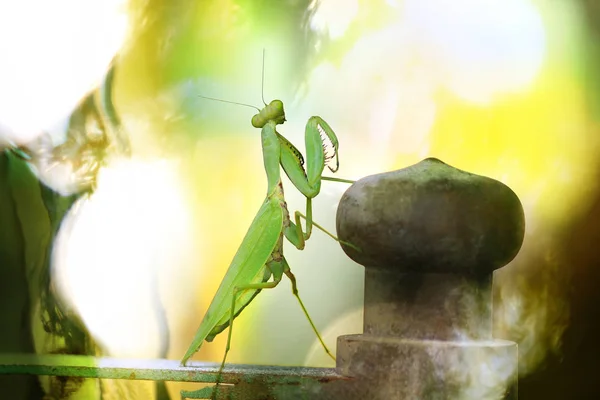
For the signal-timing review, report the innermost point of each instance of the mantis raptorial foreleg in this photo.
(321, 149)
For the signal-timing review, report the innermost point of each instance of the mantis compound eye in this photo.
(258, 121)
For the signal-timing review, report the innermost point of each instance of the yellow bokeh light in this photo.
(491, 87)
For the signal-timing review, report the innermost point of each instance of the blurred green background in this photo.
(508, 89)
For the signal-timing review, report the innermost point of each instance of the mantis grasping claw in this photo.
(260, 256)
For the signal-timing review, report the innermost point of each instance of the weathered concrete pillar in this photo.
(430, 237)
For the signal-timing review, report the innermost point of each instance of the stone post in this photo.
(430, 237)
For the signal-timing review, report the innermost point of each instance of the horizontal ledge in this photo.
(160, 370)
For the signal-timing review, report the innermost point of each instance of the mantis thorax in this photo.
(272, 112)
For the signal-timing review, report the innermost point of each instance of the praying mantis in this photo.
(260, 256)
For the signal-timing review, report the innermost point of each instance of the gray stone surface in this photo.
(431, 217)
(430, 237)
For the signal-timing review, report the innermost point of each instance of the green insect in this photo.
(260, 256)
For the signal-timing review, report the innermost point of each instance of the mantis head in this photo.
(272, 112)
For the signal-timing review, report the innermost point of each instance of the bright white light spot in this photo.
(53, 52)
(480, 47)
(111, 248)
(479, 371)
(382, 114)
(390, 102)
(334, 16)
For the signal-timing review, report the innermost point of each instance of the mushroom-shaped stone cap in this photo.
(431, 217)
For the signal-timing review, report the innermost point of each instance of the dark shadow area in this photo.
(574, 374)
(15, 324)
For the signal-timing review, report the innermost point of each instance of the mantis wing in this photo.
(248, 266)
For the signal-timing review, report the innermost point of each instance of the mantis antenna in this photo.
(262, 82)
(262, 90)
(230, 102)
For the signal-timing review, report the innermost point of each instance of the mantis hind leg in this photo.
(211, 391)
(290, 275)
(297, 237)
(341, 180)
